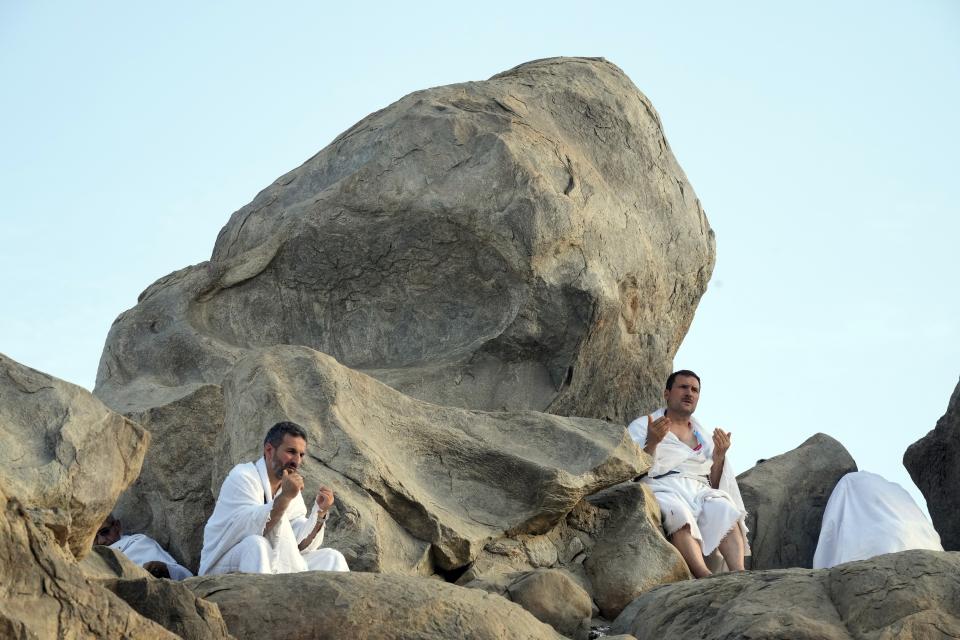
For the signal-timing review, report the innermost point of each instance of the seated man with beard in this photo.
(260, 522)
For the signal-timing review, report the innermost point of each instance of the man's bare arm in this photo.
(721, 442)
(290, 486)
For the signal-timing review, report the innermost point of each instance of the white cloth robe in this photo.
(141, 549)
(689, 484)
(242, 510)
(868, 515)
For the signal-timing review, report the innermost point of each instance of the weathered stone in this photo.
(554, 597)
(168, 603)
(527, 242)
(43, 594)
(441, 477)
(63, 453)
(173, 606)
(630, 554)
(910, 595)
(174, 495)
(934, 465)
(104, 563)
(785, 497)
(319, 605)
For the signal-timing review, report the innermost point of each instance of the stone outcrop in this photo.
(44, 594)
(910, 595)
(630, 555)
(63, 453)
(934, 465)
(786, 496)
(527, 242)
(168, 603)
(321, 605)
(553, 596)
(419, 487)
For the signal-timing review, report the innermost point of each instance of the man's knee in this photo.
(255, 553)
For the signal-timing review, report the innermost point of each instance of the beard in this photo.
(277, 467)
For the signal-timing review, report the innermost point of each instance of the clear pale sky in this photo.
(821, 138)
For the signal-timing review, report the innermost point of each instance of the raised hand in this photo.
(291, 484)
(657, 431)
(324, 499)
(721, 442)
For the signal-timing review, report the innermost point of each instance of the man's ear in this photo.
(267, 449)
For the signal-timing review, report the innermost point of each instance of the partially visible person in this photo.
(692, 480)
(867, 516)
(260, 522)
(141, 549)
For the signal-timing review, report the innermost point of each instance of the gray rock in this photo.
(104, 563)
(173, 606)
(63, 453)
(786, 496)
(527, 242)
(174, 495)
(44, 594)
(419, 486)
(908, 595)
(631, 554)
(317, 605)
(934, 464)
(553, 596)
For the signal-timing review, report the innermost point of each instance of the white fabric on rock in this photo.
(239, 517)
(685, 495)
(141, 549)
(868, 515)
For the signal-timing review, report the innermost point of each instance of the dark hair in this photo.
(682, 372)
(276, 433)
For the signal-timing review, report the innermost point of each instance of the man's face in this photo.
(289, 455)
(682, 397)
(108, 533)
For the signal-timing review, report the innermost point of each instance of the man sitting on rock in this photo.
(691, 479)
(260, 522)
(141, 549)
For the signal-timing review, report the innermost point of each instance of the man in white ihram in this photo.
(260, 522)
(692, 480)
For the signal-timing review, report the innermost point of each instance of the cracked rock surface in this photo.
(63, 453)
(934, 465)
(910, 595)
(525, 242)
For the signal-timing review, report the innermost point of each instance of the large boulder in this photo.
(630, 554)
(419, 487)
(527, 242)
(317, 605)
(911, 595)
(786, 496)
(44, 594)
(63, 453)
(934, 464)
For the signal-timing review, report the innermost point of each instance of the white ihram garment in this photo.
(680, 481)
(233, 538)
(141, 549)
(866, 516)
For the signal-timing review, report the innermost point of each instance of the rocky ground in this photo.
(463, 299)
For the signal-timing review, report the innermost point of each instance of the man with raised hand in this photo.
(692, 480)
(260, 522)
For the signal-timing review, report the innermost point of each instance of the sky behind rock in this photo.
(821, 139)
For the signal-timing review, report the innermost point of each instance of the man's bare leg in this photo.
(731, 548)
(690, 549)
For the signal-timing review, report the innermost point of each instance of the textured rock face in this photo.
(528, 242)
(934, 465)
(630, 554)
(908, 595)
(785, 499)
(553, 596)
(43, 594)
(418, 486)
(319, 605)
(63, 453)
